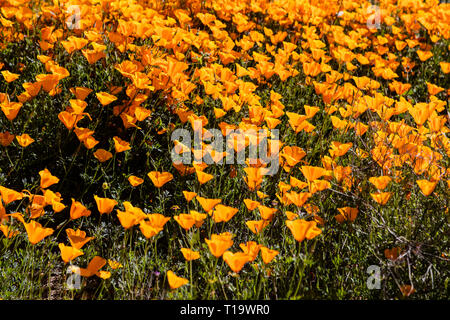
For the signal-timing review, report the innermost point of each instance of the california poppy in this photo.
(47, 179)
(208, 204)
(174, 281)
(24, 140)
(135, 181)
(268, 254)
(105, 205)
(302, 229)
(251, 248)
(77, 238)
(219, 243)
(69, 253)
(189, 254)
(223, 213)
(186, 221)
(121, 145)
(103, 155)
(78, 210)
(236, 261)
(160, 178)
(36, 232)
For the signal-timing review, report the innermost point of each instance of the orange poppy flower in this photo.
(24, 140)
(380, 182)
(68, 119)
(189, 195)
(7, 231)
(208, 204)
(186, 221)
(77, 238)
(10, 195)
(381, 197)
(157, 220)
(47, 179)
(257, 226)
(298, 198)
(223, 213)
(189, 254)
(105, 98)
(36, 232)
(11, 109)
(424, 55)
(102, 155)
(160, 178)
(9, 76)
(426, 186)
(80, 92)
(148, 229)
(174, 281)
(105, 205)
(78, 210)
(219, 243)
(121, 145)
(266, 212)
(346, 213)
(302, 229)
(312, 173)
(127, 219)
(94, 267)
(338, 149)
(268, 254)
(6, 138)
(251, 248)
(236, 261)
(69, 253)
(251, 204)
(199, 217)
(203, 177)
(135, 181)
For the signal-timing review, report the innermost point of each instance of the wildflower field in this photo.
(224, 149)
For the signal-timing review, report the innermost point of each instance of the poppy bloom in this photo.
(251, 248)
(94, 267)
(236, 261)
(47, 179)
(135, 181)
(160, 178)
(36, 232)
(105, 98)
(24, 140)
(174, 281)
(223, 213)
(208, 204)
(302, 229)
(268, 254)
(257, 226)
(9, 76)
(77, 238)
(10, 195)
(102, 155)
(189, 254)
(219, 243)
(78, 210)
(105, 205)
(189, 195)
(69, 253)
(121, 145)
(186, 221)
